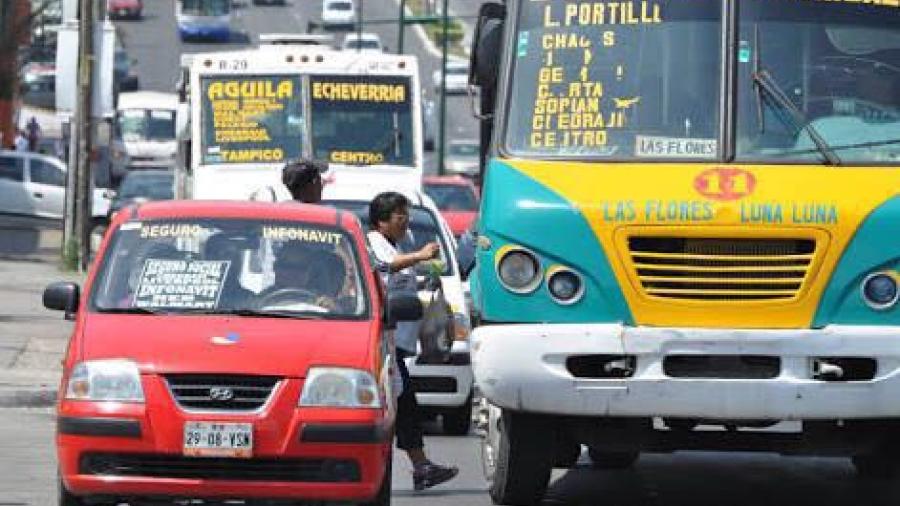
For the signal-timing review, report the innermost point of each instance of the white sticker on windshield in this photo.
(191, 284)
(130, 225)
(674, 147)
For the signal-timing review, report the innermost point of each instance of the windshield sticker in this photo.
(674, 147)
(171, 230)
(356, 157)
(192, 284)
(301, 234)
(359, 92)
(251, 119)
(130, 225)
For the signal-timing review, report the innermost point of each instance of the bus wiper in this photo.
(394, 136)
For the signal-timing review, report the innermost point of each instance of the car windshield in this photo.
(463, 150)
(616, 80)
(205, 7)
(251, 119)
(452, 197)
(149, 125)
(836, 66)
(231, 266)
(362, 120)
(423, 228)
(147, 185)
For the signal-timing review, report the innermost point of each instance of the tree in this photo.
(16, 20)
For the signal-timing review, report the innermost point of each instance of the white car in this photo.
(457, 77)
(33, 185)
(441, 389)
(462, 157)
(362, 42)
(338, 13)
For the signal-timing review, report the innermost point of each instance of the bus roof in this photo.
(303, 59)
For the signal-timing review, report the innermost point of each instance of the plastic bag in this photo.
(436, 330)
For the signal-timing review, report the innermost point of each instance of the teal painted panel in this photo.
(517, 210)
(875, 247)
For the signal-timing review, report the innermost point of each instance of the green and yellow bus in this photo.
(690, 227)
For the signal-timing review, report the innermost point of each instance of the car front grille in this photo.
(714, 269)
(316, 470)
(203, 392)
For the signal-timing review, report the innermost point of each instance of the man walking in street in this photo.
(34, 134)
(389, 222)
(303, 178)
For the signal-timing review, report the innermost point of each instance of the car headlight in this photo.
(880, 290)
(340, 387)
(519, 270)
(105, 380)
(565, 285)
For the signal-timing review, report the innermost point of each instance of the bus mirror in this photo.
(182, 114)
(486, 45)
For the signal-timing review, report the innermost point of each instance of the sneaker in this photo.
(430, 474)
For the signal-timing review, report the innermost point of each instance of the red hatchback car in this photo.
(228, 350)
(125, 9)
(456, 197)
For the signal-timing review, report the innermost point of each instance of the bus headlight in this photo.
(879, 290)
(519, 270)
(339, 387)
(565, 285)
(105, 380)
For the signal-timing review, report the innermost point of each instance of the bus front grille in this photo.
(714, 269)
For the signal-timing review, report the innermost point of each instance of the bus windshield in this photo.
(205, 7)
(251, 119)
(362, 120)
(836, 66)
(618, 80)
(142, 124)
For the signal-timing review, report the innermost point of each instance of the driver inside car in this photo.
(306, 274)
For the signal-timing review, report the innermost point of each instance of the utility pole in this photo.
(359, 25)
(442, 132)
(401, 28)
(84, 124)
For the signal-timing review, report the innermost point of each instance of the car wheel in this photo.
(384, 493)
(456, 421)
(521, 449)
(612, 460)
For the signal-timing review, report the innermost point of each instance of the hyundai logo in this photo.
(221, 393)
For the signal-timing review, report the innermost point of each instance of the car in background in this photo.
(194, 407)
(338, 14)
(457, 77)
(143, 131)
(124, 9)
(39, 84)
(462, 157)
(143, 186)
(362, 42)
(124, 76)
(33, 185)
(456, 197)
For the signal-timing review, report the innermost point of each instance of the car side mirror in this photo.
(63, 296)
(465, 254)
(402, 307)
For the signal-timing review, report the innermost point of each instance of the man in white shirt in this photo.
(389, 222)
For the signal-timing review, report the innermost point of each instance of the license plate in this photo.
(216, 439)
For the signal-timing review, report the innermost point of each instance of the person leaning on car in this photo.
(389, 221)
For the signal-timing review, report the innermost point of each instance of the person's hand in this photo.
(429, 251)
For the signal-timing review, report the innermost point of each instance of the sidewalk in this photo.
(33, 340)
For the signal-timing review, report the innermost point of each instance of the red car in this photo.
(228, 351)
(124, 9)
(456, 197)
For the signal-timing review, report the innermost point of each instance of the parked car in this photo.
(338, 14)
(462, 157)
(143, 186)
(457, 77)
(39, 84)
(34, 185)
(362, 42)
(215, 359)
(124, 9)
(456, 197)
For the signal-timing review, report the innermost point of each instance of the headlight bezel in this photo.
(536, 278)
(361, 381)
(83, 383)
(879, 306)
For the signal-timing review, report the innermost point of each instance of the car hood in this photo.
(239, 345)
(459, 221)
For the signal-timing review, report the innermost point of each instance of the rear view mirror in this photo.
(63, 296)
(403, 307)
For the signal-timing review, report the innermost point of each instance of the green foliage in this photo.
(70, 256)
(455, 32)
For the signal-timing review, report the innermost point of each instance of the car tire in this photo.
(602, 459)
(384, 492)
(457, 421)
(524, 459)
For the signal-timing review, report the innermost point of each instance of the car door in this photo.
(14, 197)
(48, 188)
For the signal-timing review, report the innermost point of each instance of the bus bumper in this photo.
(613, 370)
